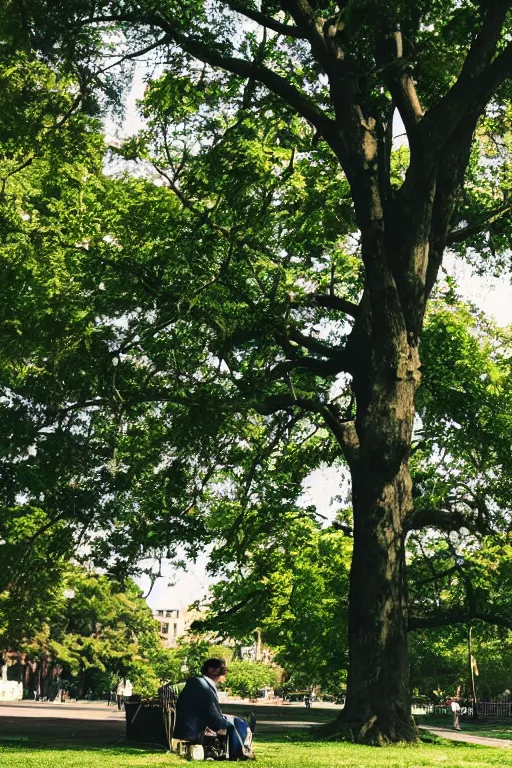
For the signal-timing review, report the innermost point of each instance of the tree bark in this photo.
(378, 702)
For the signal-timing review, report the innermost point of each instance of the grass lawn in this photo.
(494, 730)
(271, 753)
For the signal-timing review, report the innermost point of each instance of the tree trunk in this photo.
(378, 708)
(378, 700)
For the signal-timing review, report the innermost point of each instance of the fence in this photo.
(495, 710)
(486, 710)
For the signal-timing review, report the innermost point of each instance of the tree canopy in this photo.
(208, 339)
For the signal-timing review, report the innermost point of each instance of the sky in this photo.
(492, 295)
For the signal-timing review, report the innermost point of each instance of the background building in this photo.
(172, 624)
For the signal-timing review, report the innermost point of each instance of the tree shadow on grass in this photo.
(15, 743)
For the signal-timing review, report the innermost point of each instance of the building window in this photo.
(159, 613)
(165, 629)
(175, 629)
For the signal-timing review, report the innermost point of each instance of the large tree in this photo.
(263, 269)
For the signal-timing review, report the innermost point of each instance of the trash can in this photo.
(146, 723)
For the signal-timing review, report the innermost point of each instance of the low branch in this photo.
(337, 303)
(346, 529)
(337, 362)
(200, 625)
(284, 402)
(464, 233)
(446, 618)
(324, 368)
(344, 430)
(436, 576)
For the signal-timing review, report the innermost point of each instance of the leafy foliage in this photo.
(293, 587)
(94, 633)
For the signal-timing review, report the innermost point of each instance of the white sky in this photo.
(493, 296)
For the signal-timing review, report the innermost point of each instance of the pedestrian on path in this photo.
(120, 694)
(455, 707)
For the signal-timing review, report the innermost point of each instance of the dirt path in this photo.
(471, 738)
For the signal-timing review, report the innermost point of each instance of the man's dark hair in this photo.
(213, 664)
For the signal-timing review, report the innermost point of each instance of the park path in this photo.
(81, 722)
(470, 738)
(95, 722)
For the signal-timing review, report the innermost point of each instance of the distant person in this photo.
(307, 701)
(120, 694)
(199, 718)
(455, 707)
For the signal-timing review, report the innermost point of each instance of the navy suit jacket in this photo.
(197, 708)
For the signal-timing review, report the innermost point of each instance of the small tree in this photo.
(246, 678)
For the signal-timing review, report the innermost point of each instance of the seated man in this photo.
(197, 708)
(198, 713)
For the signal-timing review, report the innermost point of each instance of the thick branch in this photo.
(337, 362)
(477, 81)
(237, 66)
(343, 429)
(284, 402)
(304, 17)
(264, 20)
(314, 345)
(345, 433)
(325, 368)
(399, 80)
(346, 529)
(450, 178)
(445, 520)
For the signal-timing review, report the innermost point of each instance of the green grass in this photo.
(276, 753)
(492, 730)
(36, 756)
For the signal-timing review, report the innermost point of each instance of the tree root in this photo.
(370, 732)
